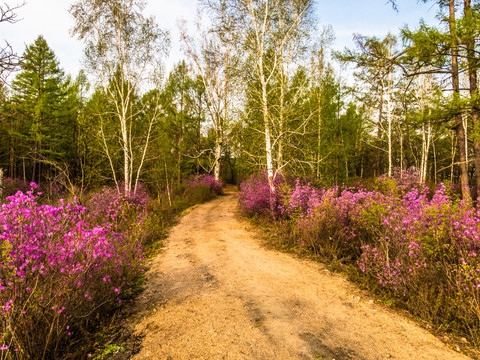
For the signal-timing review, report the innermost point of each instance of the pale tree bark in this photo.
(289, 47)
(424, 85)
(213, 57)
(123, 49)
(389, 115)
(258, 25)
(261, 28)
(426, 141)
(379, 131)
(1, 184)
(318, 75)
(453, 151)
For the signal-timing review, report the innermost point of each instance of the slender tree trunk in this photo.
(401, 151)
(218, 153)
(268, 138)
(389, 122)
(126, 153)
(472, 76)
(280, 141)
(35, 151)
(461, 140)
(379, 133)
(1, 184)
(167, 183)
(319, 136)
(180, 134)
(281, 119)
(426, 140)
(12, 151)
(453, 153)
(319, 110)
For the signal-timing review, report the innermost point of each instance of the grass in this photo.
(116, 340)
(269, 233)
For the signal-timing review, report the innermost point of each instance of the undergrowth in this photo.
(66, 271)
(414, 247)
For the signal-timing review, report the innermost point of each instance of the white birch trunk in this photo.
(1, 184)
(389, 114)
(218, 156)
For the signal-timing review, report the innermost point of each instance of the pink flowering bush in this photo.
(11, 186)
(118, 210)
(207, 180)
(298, 200)
(400, 182)
(57, 270)
(256, 197)
(420, 248)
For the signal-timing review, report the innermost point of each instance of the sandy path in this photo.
(215, 293)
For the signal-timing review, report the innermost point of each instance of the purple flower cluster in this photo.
(257, 198)
(118, 210)
(11, 186)
(400, 182)
(56, 269)
(215, 186)
(415, 246)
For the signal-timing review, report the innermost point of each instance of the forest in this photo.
(249, 95)
(351, 164)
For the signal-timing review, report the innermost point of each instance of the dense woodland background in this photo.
(259, 88)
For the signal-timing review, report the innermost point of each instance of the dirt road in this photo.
(216, 293)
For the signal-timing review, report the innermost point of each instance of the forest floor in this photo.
(216, 292)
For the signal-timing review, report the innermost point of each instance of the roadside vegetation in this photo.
(66, 269)
(129, 144)
(415, 245)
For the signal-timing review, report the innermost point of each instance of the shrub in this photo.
(256, 197)
(209, 181)
(11, 186)
(422, 249)
(56, 270)
(118, 210)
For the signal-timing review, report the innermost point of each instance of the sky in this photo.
(51, 19)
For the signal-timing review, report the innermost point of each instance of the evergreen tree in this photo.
(40, 125)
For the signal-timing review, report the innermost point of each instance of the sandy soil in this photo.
(216, 293)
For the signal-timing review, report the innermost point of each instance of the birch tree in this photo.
(440, 50)
(264, 29)
(376, 61)
(123, 50)
(424, 85)
(213, 57)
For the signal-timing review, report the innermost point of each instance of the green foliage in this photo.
(40, 114)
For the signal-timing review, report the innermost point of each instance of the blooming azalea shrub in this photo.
(298, 200)
(11, 186)
(256, 197)
(63, 268)
(57, 270)
(215, 186)
(119, 210)
(401, 182)
(420, 247)
(196, 190)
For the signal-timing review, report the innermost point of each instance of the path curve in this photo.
(216, 293)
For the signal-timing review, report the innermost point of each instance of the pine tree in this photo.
(37, 100)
